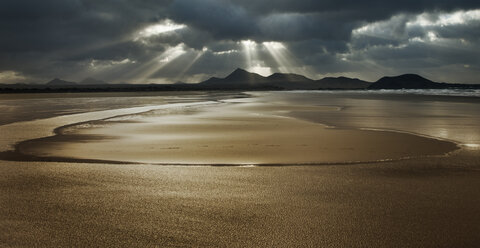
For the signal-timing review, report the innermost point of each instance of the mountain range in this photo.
(408, 81)
(86, 81)
(241, 79)
(59, 82)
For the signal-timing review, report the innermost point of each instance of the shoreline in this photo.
(18, 155)
(426, 201)
(42, 128)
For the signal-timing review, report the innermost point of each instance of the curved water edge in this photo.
(17, 155)
(17, 132)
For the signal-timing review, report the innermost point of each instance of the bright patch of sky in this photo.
(159, 28)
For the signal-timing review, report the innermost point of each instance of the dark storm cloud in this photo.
(436, 39)
(292, 27)
(38, 36)
(361, 8)
(189, 36)
(286, 19)
(50, 38)
(219, 18)
(467, 32)
(53, 24)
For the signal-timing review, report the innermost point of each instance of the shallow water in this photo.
(26, 107)
(425, 202)
(446, 117)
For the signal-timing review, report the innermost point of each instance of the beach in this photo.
(274, 169)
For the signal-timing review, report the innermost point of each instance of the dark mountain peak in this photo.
(289, 77)
(91, 81)
(342, 83)
(406, 81)
(240, 70)
(239, 73)
(212, 79)
(340, 78)
(57, 81)
(242, 79)
(243, 75)
(409, 76)
(238, 79)
(276, 75)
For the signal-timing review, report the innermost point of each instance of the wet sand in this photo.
(229, 133)
(421, 203)
(429, 200)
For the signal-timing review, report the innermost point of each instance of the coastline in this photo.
(430, 201)
(235, 114)
(26, 130)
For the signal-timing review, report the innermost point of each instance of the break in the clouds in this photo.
(153, 41)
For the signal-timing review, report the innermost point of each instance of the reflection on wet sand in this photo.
(426, 201)
(230, 133)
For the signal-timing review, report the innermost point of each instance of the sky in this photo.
(167, 41)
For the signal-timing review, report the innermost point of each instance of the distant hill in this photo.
(342, 83)
(288, 77)
(407, 81)
(92, 81)
(86, 81)
(243, 76)
(242, 79)
(59, 82)
(238, 79)
(290, 81)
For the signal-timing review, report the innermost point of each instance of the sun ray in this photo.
(286, 61)
(252, 61)
(141, 74)
(249, 51)
(189, 65)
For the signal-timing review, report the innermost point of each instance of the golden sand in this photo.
(426, 201)
(230, 133)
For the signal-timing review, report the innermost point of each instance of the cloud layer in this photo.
(189, 40)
